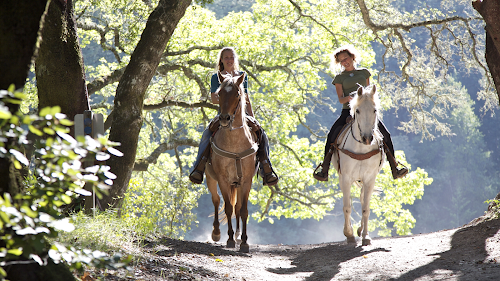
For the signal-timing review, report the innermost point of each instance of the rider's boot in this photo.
(196, 175)
(325, 166)
(269, 176)
(396, 172)
(266, 169)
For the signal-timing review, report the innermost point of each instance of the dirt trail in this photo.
(468, 253)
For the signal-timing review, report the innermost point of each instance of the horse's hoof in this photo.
(244, 248)
(366, 242)
(351, 240)
(238, 236)
(359, 231)
(215, 237)
(230, 244)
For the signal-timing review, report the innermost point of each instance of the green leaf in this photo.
(14, 119)
(16, 252)
(54, 110)
(66, 122)
(2, 272)
(29, 212)
(49, 131)
(65, 198)
(45, 111)
(17, 165)
(35, 130)
(4, 112)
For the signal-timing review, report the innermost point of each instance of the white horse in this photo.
(359, 156)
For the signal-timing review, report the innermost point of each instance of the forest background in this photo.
(449, 139)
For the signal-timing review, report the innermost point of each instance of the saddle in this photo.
(251, 122)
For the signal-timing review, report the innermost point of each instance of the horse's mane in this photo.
(229, 82)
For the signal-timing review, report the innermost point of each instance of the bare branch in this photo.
(143, 164)
(189, 50)
(99, 83)
(166, 103)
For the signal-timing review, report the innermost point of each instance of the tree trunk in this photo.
(19, 24)
(59, 66)
(129, 99)
(490, 11)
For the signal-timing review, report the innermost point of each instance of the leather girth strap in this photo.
(363, 156)
(236, 156)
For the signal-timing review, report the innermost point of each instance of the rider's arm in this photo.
(214, 85)
(215, 98)
(340, 94)
(249, 107)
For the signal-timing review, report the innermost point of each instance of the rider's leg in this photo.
(322, 175)
(196, 175)
(267, 172)
(389, 150)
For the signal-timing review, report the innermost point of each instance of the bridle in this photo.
(231, 118)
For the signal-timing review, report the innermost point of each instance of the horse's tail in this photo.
(233, 197)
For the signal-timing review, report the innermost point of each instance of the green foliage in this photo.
(159, 206)
(464, 173)
(31, 218)
(494, 207)
(395, 195)
(287, 59)
(103, 231)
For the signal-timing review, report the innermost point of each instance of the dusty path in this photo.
(467, 253)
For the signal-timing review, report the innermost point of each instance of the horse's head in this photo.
(364, 110)
(231, 97)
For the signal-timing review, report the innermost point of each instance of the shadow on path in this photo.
(313, 260)
(468, 245)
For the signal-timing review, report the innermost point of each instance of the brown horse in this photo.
(232, 164)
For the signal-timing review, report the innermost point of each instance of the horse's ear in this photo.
(220, 76)
(374, 89)
(360, 91)
(240, 79)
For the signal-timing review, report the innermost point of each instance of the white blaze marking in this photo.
(228, 88)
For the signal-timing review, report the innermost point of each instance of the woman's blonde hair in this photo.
(219, 66)
(348, 49)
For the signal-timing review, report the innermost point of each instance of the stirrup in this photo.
(269, 175)
(320, 175)
(195, 177)
(266, 165)
(400, 172)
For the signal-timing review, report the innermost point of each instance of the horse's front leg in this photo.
(238, 217)
(228, 207)
(212, 187)
(244, 247)
(366, 194)
(345, 186)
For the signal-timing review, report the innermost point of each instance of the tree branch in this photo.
(143, 164)
(99, 83)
